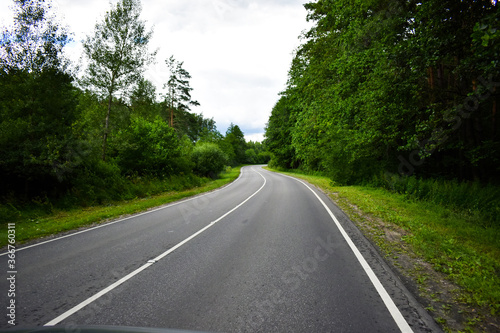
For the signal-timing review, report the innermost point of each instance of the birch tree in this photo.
(117, 55)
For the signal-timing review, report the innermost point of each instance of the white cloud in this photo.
(237, 51)
(256, 137)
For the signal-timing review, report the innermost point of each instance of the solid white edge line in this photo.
(96, 296)
(389, 303)
(140, 269)
(171, 204)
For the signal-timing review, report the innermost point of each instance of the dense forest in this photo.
(95, 134)
(395, 88)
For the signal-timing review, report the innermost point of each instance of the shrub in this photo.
(209, 159)
(250, 156)
(150, 148)
(97, 182)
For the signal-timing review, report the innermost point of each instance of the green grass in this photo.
(481, 202)
(43, 221)
(466, 252)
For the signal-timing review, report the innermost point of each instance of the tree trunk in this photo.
(106, 127)
(430, 80)
(493, 115)
(171, 92)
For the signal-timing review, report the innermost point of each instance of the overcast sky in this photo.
(238, 52)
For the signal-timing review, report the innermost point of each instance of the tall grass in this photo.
(480, 202)
(96, 191)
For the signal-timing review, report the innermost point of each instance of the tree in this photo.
(117, 54)
(250, 156)
(278, 136)
(236, 140)
(178, 96)
(37, 103)
(209, 159)
(379, 82)
(447, 51)
(262, 154)
(208, 131)
(149, 147)
(143, 100)
(36, 42)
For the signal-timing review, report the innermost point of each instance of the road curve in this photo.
(268, 253)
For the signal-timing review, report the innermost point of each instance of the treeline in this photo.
(97, 134)
(393, 87)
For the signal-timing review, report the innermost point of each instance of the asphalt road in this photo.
(267, 253)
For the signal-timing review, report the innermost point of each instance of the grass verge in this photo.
(33, 225)
(452, 262)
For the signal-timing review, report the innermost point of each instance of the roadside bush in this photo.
(209, 160)
(97, 182)
(150, 147)
(250, 156)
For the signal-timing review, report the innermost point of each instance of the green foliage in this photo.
(37, 105)
(178, 96)
(54, 136)
(278, 134)
(117, 51)
(34, 220)
(264, 157)
(177, 103)
(143, 100)
(234, 145)
(250, 156)
(479, 201)
(380, 83)
(256, 153)
(189, 124)
(208, 132)
(409, 87)
(149, 148)
(97, 182)
(209, 159)
(88, 125)
(36, 41)
(117, 55)
(36, 112)
(228, 150)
